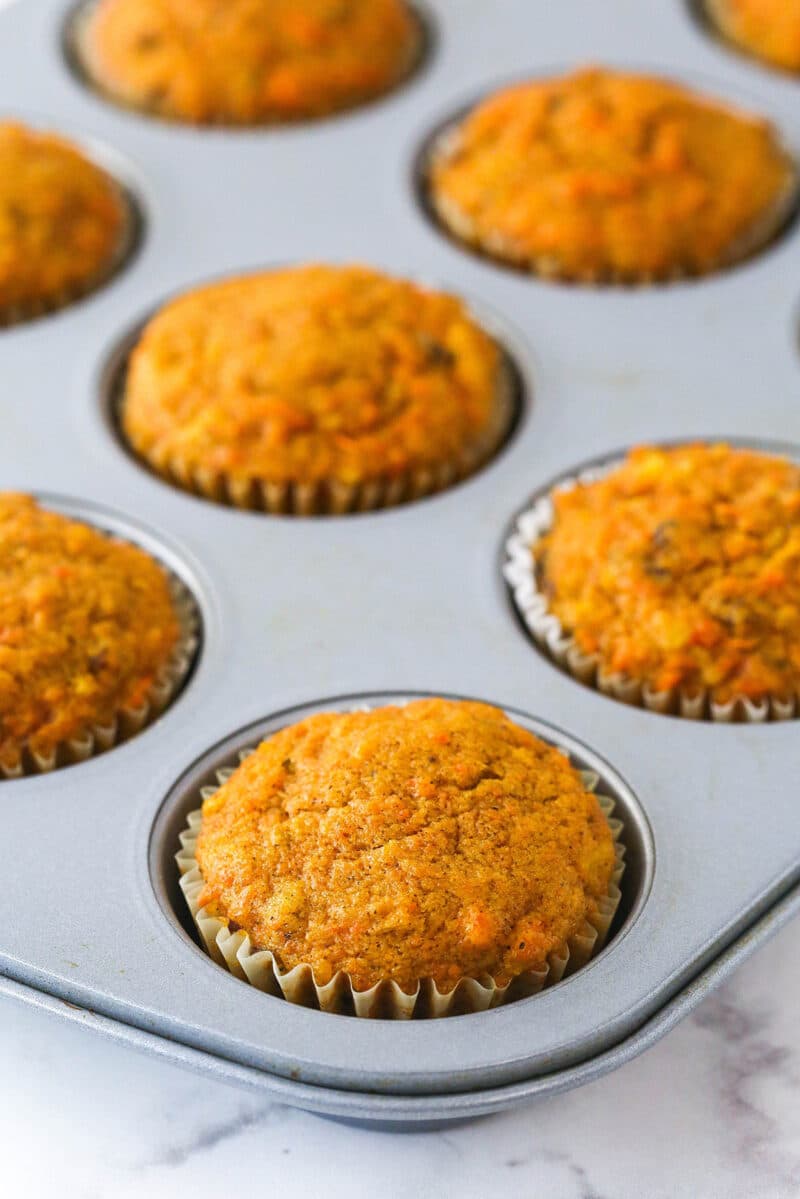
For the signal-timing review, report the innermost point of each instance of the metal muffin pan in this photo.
(296, 611)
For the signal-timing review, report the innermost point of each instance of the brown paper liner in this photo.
(333, 497)
(128, 721)
(547, 631)
(501, 250)
(32, 310)
(234, 950)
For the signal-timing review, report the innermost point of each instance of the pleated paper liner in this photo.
(128, 721)
(502, 251)
(521, 574)
(78, 53)
(334, 497)
(233, 949)
(130, 236)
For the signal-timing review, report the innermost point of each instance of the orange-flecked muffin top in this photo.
(316, 373)
(681, 569)
(768, 29)
(248, 61)
(436, 840)
(86, 624)
(602, 176)
(63, 222)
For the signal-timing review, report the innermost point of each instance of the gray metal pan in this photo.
(299, 610)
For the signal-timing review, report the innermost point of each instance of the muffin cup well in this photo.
(332, 497)
(233, 949)
(17, 314)
(499, 250)
(549, 634)
(97, 738)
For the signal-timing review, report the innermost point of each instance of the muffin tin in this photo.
(303, 612)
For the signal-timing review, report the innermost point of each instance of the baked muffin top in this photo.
(63, 221)
(681, 569)
(308, 374)
(769, 29)
(86, 625)
(605, 176)
(434, 840)
(248, 61)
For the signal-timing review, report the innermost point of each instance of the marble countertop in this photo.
(712, 1112)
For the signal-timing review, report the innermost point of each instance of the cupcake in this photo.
(767, 29)
(246, 62)
(671, 580)
(315, 389)
(417, 860)
(95, 638)
(65, 225)
(600, 177)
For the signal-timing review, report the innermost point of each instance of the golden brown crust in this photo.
(329, 374)
(767, 29)
(603, 176)
(681, 569)
(436, 840)
(248, 61)
(63, 222)
(87, 624)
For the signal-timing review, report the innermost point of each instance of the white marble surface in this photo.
(712, 1112)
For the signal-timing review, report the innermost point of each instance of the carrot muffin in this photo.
(680, 570)
(767, 29)
(312, 389)
(89, 632)
(434, 841)
(64, 223)
(601, 176)
(247, 61)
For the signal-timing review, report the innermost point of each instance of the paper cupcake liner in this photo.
(78, 52)
(129, 721)
(502, 250)
(30, 310)
(333, 497)
(233, 949)
(521, 574)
